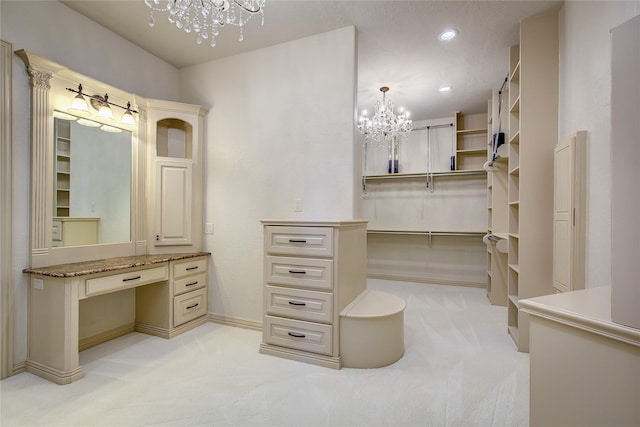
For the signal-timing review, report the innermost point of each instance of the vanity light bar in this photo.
(103, 100)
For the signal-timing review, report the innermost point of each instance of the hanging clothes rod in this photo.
(446, 125)
(429, 233)
(423, 175)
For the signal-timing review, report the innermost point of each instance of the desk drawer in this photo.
(305, 272)
(116, 282)
(298, 334)
(190, 283)
(300, 304)
(189, 306)
(312, 241)
(189, 267)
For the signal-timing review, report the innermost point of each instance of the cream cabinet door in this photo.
(568, 213)
(173, 202)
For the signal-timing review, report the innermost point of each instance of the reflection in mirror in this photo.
(92, 183)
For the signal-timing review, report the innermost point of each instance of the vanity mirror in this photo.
(87, 183)
(92, 182)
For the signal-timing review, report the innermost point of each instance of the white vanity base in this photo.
(170, 293)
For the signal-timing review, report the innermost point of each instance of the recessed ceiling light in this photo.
(448, 34)
(445, 89)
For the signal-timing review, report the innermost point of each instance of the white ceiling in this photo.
(397, 43)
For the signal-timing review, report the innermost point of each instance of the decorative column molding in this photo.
(40, 71)
(41, 163)
(6, 208)
(140, 179)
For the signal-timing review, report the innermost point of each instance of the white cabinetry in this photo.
(533, 132)
(569, 213)
(312, 271)
(176, 144)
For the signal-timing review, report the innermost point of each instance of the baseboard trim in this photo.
(235, 321)
(19, 368)
(173, 332)
(426, 280)
(94, 340)
(52, 374)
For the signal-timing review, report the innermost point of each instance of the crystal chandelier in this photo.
(385, 127)
(207, 17)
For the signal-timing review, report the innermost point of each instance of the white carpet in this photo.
(459, 369)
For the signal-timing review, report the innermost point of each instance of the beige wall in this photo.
(585, 91)
(280, 127)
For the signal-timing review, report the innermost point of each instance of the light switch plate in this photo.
(38, 284)
(208, 228)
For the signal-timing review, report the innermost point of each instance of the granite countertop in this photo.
(108, 264)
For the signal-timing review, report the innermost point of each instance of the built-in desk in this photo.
(170, 292)
(585, 368)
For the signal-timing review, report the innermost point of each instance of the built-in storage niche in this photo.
(174, 138)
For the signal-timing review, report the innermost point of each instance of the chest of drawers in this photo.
(312, 270)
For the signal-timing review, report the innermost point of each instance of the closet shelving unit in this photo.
(468, 146)
(533, 90)
(497, 211)
(470, 149)
(62, 192)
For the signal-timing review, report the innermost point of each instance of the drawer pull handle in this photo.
(293, 334)
(131, 278)
(192, 306)
(297, 272)
(192, 268)
(297, 303)
(297, 241)
(192, 283)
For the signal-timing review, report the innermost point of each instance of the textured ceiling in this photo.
(397, 43)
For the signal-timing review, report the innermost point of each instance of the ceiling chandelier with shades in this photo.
(205, 18)
(385, 127)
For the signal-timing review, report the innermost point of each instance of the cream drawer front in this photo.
(190, 283)
(116, 282)
(306, 272)
(189, 306)
(300, 304)
(314, 241)
(298, 334)
(191, 266)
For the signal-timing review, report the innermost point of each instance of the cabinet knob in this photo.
(295, 335)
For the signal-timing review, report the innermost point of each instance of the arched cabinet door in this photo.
(176, 144)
